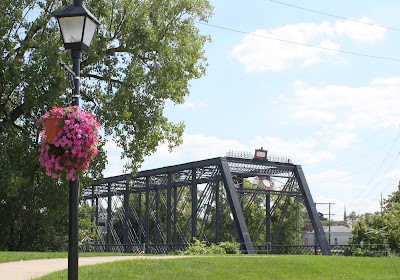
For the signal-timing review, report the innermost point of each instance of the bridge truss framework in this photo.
(163, 209)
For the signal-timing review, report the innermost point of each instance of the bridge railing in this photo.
(371, 250)
(337, 250)
(135, 248)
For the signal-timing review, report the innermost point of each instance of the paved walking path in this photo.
(25, 270)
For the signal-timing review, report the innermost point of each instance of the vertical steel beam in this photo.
(157, 201)
(169, 198)
(217, 212)
(96, 215)
(126, 217)
(140, 222)
(194, 203)
(109, 213)
(268, 218)
(312, 211)
(175, 207)
(237, 211)
(93, 217)
(147, 213)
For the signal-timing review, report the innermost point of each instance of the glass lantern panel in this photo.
(71, 28)
(90, 28)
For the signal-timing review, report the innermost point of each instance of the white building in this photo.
(339, 235)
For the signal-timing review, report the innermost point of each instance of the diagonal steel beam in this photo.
(312, 211)
(237, 211)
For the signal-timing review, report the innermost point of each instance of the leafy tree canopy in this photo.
(144, 54)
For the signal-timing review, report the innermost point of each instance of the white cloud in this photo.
(340, 188)
(300, 151)
(316, 116)
(333, 179)
(362, 204)
(393, 175)
(194, 147)
(190, 104)
(341, 106)
(277, 49)
(388, 182)
(115, 163)
(359, 31)
(389, 81)
(338, 205)
(343, 139)
(258, 53)
(199, 147)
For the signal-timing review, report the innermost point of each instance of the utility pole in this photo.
(329, 219)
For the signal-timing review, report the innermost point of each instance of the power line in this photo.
(355, 172)
(393, 181)
(351, 202)
(300, 44)
(387, 155)
(365, 207)
(355, 158)
(335, 16)
(359, 143)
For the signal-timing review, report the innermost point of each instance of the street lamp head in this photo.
(77, 26)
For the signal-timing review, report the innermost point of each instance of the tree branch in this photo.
(9, 120)
(102, 78)
(40, 24)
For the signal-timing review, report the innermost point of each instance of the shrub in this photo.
(216, 250)
(200, 248)
(230, 247)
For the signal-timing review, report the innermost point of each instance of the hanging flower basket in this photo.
(68, 141)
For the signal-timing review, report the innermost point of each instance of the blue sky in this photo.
(333, 112)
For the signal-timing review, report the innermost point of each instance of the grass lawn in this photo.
(24, 256)
(243, 267)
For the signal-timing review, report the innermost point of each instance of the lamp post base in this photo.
(73, 230)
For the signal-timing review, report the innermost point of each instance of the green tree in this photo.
(380, 228)
(352, 218)
(33, 207)
(286, 220)
(287, 227)
(145, 54)
(392, 220)
(369, 229)
(392, 200)
(392, 227)
(87, 228)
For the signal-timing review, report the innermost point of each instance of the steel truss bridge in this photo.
(162, 210)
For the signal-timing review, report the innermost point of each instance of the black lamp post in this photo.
(77, 27)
